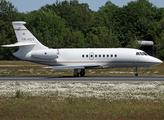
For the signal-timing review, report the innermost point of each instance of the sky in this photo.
(30, 5)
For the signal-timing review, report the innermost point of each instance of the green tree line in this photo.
(70, 24)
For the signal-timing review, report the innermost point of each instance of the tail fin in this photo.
(24, 37)
(26, 41)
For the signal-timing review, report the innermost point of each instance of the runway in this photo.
(80, 79)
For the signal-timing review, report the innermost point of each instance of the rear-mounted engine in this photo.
(45, 54)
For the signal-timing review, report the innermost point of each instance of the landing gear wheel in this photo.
(82, 73)
(136, 74)
(76, 74)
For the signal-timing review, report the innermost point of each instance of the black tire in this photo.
(82, 73)
(136, 74)
(77, 75)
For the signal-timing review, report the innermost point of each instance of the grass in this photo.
(17, 63)
(52, 107)
(27, 68)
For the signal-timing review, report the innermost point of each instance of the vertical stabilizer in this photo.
(27, 43)
(25, 37)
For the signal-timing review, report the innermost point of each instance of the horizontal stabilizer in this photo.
(73, 67)
(19, 44)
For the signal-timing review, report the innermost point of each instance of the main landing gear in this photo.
(136, 74)
(76, 74)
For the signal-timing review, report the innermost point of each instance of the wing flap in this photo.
(19, 44)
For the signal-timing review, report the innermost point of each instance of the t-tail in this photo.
(29, 47)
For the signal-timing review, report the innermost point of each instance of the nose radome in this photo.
(160, 61)
(157, 61)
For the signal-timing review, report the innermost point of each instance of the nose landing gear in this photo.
(136, 74)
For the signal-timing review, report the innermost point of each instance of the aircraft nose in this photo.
(160, 61)
(157, 61)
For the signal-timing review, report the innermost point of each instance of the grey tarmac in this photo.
(81, 79)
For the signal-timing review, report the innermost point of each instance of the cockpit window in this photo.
(141, 53)
(137, 53)
(145, 53)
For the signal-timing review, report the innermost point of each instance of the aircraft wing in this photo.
(74, 67)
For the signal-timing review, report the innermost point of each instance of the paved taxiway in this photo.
(81, 79)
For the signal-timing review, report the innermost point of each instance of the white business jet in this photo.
(30, 49)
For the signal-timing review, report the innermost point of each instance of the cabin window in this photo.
(107, 55)
(86, 55)
(95, 55)
(115, 55)
(111, 55)
(103, 55)
(83, 56)
(99, 55)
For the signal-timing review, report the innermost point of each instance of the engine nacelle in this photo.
(45, 54)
